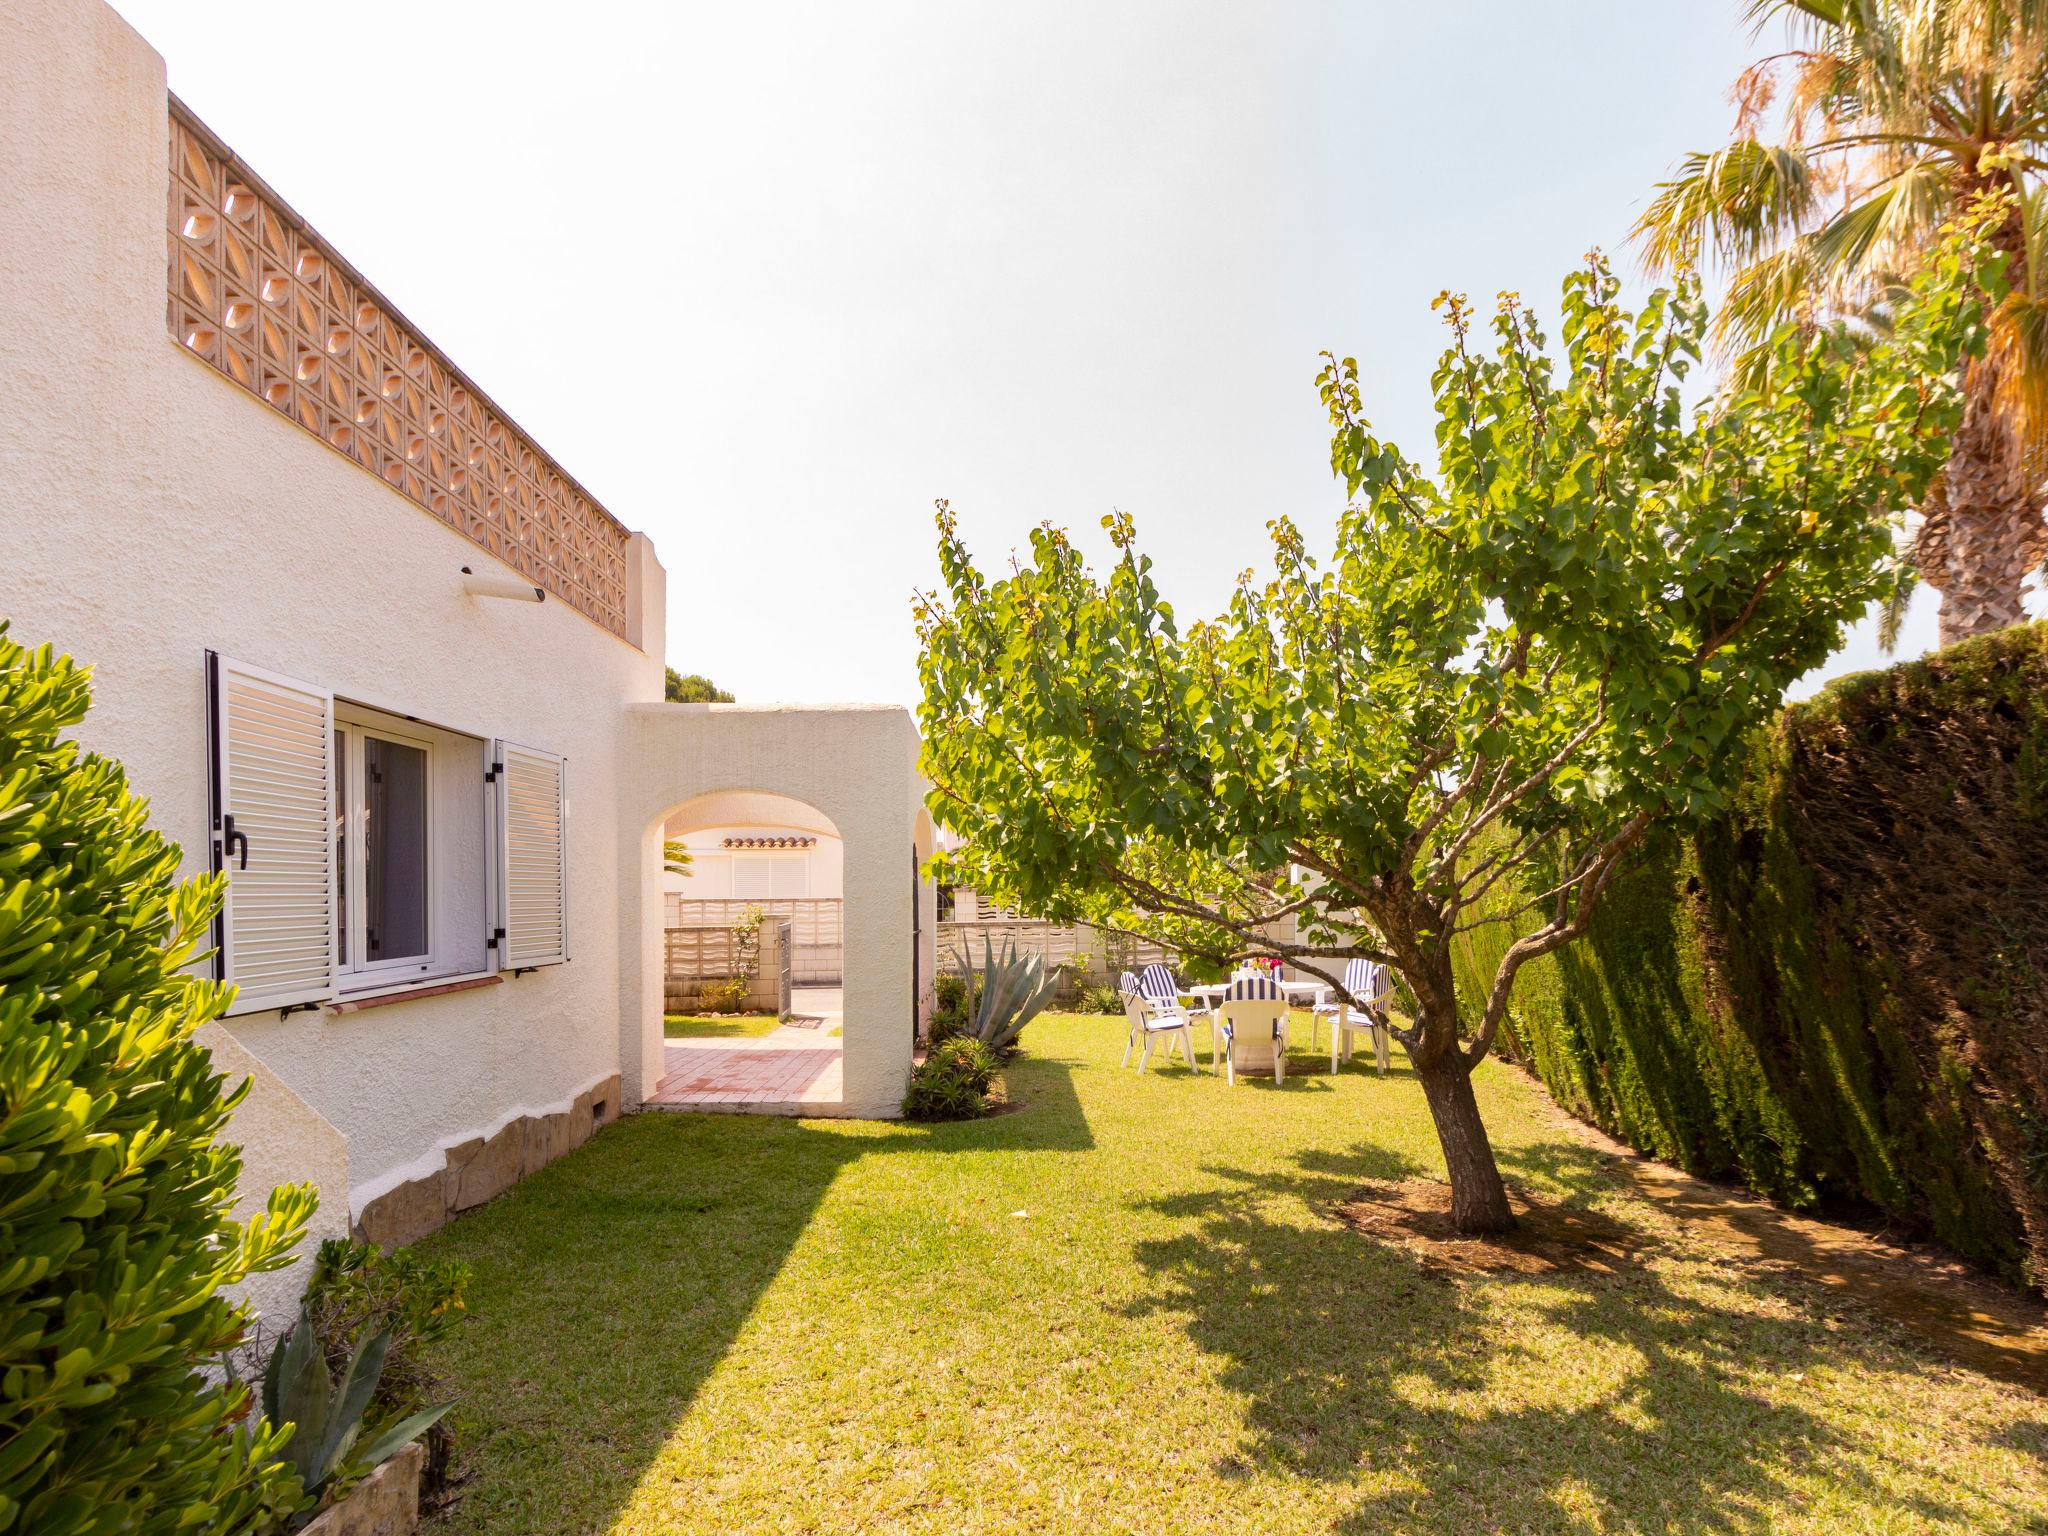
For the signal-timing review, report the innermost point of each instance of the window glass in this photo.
(341, 886)
(394, 835)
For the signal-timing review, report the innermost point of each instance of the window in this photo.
(368, 851)
(710, 876)
(756, 875)
(383, 790)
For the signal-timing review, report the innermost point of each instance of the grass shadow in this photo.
(610, 1284)
(1352, 1357)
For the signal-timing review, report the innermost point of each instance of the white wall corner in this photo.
(646, 599)
(284, 1140)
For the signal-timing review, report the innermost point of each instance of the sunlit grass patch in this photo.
(718, 1026)
(1131, 1306)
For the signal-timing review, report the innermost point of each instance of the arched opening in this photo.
(752, 954)
(768, 771)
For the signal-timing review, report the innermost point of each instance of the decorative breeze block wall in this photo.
(258, 294)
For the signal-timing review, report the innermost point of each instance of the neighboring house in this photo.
(748, 846)
(372, 652)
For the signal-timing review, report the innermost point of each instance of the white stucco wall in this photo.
(284, 1140)
(149, 510)
(855, 764)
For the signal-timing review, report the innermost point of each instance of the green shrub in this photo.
(115, 1190)
(1101, 1000)
(727, 996)
(949, 1007)
(974, 1061)
(357, 1290)
(952, 1082)
(1838, 993)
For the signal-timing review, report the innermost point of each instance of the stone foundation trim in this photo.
(463, 1173)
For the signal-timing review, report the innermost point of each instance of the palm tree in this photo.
(1891, 117)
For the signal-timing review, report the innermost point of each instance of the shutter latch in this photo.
(229, 837)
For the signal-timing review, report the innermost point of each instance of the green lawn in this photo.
(718, 1026)
(1127, 1308)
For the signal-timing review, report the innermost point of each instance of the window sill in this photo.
(413, 991)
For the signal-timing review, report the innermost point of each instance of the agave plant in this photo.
(1007, 995)
(327, 1415)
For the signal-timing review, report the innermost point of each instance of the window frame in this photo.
(353, 973)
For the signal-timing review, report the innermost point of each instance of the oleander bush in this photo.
(115, 1188)
(1838, 993)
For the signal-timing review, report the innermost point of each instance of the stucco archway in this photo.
(856, 766)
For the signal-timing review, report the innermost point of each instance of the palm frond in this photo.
(2033, 210)
(1881, 230)
(1901, 578)
(1823, 88)
(1739, 201)
(1748, 371)
(2016, 355)
(1760, 13)
(1764, 295)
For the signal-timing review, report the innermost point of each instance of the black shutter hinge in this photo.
(491, 773)
(497, 937)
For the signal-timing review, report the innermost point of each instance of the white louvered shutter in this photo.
(532, 856)
(273, 833)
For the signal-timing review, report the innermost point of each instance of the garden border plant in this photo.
(730, 994)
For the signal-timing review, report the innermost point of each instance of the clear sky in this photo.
(769, 278)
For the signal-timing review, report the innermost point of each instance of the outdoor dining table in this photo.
(1309, 994)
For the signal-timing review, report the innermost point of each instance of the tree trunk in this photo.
(1479, 1201)
(1982, 530)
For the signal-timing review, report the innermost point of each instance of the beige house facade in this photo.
(369, 650)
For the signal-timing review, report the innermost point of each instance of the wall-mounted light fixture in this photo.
(509, 587)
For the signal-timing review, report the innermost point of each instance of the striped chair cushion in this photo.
(1158, 984)
(1263, 988)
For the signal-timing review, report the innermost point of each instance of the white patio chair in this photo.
(1367, 981)
(1145, 1021)
(1162, 994)
(1157, 986)
(1254, 1022)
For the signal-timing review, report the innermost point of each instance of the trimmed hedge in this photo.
(1838, 994)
